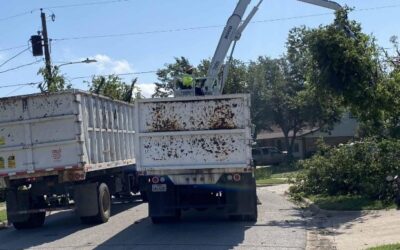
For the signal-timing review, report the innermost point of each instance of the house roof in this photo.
(277, 133)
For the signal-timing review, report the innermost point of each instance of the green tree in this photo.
(235, 82)
(53, 82)
(282, 99)
(167, 76)
(112, 86)
(348, 65)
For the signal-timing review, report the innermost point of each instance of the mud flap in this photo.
(161, 204)
(86, 200)
(17, 201)
(242, 198)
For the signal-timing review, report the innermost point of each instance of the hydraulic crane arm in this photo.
(324, 3)
(232, 32)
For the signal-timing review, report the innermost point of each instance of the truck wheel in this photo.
(252, 217)
(143, 195)
(104, 206)
(34, 221)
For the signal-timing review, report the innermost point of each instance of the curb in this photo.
(313, 208)
(266, 185)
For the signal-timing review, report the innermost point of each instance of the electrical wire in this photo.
(19, 84)
(122, 74)
(13, 57)
(62, 7)
(137, 33)
(21, 66)
(211, 26)
(16, 15)
(84, 4)
(180, 29)
(12, 48)
(15, 90)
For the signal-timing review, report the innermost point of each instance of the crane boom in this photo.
(232, 32)
(213, 84)
(324, 3)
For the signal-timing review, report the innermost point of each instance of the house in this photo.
(305, 144)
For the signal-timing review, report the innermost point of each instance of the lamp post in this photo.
(50, 77)
(87, 60)
(333, 6)
(324, 3)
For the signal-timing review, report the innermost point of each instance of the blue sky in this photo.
(148, 52)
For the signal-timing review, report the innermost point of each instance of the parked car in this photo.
(267, 156)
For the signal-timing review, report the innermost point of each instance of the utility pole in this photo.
(46, 48)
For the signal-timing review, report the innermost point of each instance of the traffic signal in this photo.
(37, 47)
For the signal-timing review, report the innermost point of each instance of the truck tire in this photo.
(252, 217)
(34, 221)
(104, 207)
(143, 195)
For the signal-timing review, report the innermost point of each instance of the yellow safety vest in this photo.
(187, 81)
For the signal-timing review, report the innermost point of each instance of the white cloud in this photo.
(107, 65)
(147, 89)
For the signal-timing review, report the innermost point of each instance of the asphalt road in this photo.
(280, 226)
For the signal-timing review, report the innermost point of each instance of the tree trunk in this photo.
(288, 147)
(289, 143)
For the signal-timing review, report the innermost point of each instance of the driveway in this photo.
(280, 226)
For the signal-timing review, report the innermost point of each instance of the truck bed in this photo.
(202, 132)
(47, 133)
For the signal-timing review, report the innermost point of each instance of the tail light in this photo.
(236, 177)
(155, 180)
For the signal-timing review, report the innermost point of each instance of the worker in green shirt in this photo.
(187, 80)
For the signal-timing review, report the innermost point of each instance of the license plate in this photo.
(159, 188)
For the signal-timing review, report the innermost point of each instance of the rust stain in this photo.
(161, 122)
(222, 118)
(214, 148)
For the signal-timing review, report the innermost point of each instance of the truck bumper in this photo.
(235, 197)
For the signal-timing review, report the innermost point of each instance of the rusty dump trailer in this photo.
(195, 152)
(63, 150)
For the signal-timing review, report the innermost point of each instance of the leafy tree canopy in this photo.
(112, 86)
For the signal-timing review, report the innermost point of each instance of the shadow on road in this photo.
(57, 226)
(196, 230)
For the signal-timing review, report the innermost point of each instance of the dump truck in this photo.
(195, 153)
(65, 150)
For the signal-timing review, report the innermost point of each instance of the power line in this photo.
(19, 84)
(16, 15)
(123, 74)
(15, 90)
(61, 7)
(178, 29)
(211, 26)
(21, 66)
(84, 4)
(19, 53)
(12, 48)
(137, 33)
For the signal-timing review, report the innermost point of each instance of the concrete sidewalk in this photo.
(348, 230)
(356, 230)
